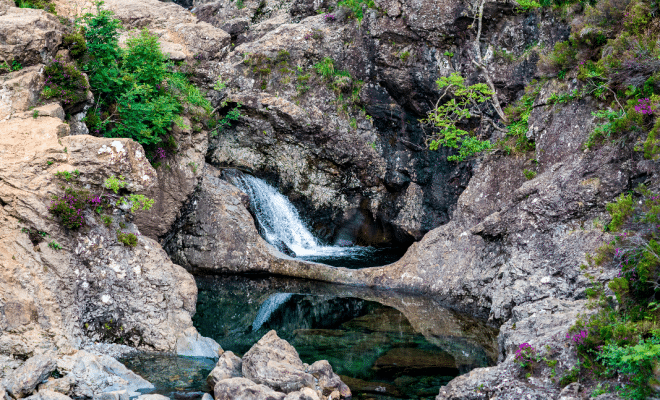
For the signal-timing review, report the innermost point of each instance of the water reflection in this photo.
(385, 344)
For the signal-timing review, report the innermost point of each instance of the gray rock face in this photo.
(25, 379)
(244, 389)
(328, 381)
(276, 364)
(192, 344)
(228, 366)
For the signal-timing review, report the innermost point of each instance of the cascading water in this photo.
(281, 224)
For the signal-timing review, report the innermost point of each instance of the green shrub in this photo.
(620, 211)
(139, 92)
(65, 82)
(355, 6)
(37, 4)
(636, 364)
(529, 174)
(54, 245)
(70, 207)
(115, 184)
(127, 239)
(76, 44)
(561, 58)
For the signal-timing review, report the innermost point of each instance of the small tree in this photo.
(466, 102)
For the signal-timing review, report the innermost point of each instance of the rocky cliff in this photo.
(329, 111)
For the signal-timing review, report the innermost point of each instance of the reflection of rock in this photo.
(383, 320)
(371, 387)
(411, 361)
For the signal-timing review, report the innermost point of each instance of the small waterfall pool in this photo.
(384, 345)
(280, 224)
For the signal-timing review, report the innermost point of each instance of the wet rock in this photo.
(304, 394)
(228, 366)
(25, 379)
(382, 388)
(207, 396)
(241, 388)
(328, 382)
(29, 36)
(274, 362)
(192, 344)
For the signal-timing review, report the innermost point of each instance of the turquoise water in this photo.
(385, 345)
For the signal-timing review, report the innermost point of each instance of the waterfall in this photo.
(280, 223)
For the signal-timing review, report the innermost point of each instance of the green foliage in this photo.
(527, 4)
(529, 174)
(518, 113)
(139, 93)
(35, 114)
(561, 58)
(325, 68)
(115, 184)
(76, 43)
(37, 4)
(107, 220)
(636, 363)
(465, 101)
(127, 239)
(355, 6)
(68, 176)
(620, 211)
(65, 82)
(404, 56)
(54, 245)
(137, 201)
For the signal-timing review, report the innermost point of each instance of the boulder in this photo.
(305, 394)
(29, 36)
(97, 375)
(244, 389)
(48, 395)
(327, 381)
(25, 379)
(228, 366)
(192, 344)
(20, 90)
(275, 363)
(153, 397)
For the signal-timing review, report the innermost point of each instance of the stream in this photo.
(383, 344)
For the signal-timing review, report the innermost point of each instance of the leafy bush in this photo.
(636, 363)
(561, 58)
(65, 82)
(139, 93)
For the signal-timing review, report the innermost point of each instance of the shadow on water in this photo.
(384, 344)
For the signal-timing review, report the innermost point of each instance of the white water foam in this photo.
(280, 222)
